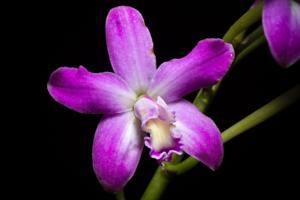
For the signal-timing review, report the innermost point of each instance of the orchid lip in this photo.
(158, 121)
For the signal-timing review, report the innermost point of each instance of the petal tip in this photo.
(130, 47)
(200, 135)
(280, 21)
(116, 150)
(216, 165)
(118, 11)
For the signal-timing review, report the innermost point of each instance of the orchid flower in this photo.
(281, 24)
(142, 105)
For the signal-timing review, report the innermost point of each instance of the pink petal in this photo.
(204, 66)
(200, 136)
(130, 47)
(117, 149)
(87, 92)
(281, 23)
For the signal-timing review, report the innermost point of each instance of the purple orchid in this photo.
(281, 23)
(141, 104)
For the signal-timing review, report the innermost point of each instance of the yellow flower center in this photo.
(160, 134)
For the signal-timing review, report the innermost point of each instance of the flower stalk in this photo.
(235, 35)
(252, 16)
(263, 113)
(250, 48)
(157, 185)
(120, 195)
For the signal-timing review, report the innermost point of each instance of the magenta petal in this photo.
(281, 23)
(130, 47)
(200, 136)
(87, 92)
(205, 65)
(117, 149)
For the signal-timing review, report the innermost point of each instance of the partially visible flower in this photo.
(142, 103)
(281, 24)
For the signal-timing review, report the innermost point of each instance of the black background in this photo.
(263, 161)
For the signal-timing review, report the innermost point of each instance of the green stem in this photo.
(262, 114)
(120, 195)
(157, 185)
(249, 18)
(176, 158)
(259, 41)
(205, 96)
(252, 120)
(241, 43)
(252, 36)
(237, 40)
(182, 167)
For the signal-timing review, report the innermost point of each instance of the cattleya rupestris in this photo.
(142, 104)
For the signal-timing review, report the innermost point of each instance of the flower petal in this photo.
(281, 23)
(130, 47)
(87, 92)
(205, 65)
(117, 149)
(200, 136)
